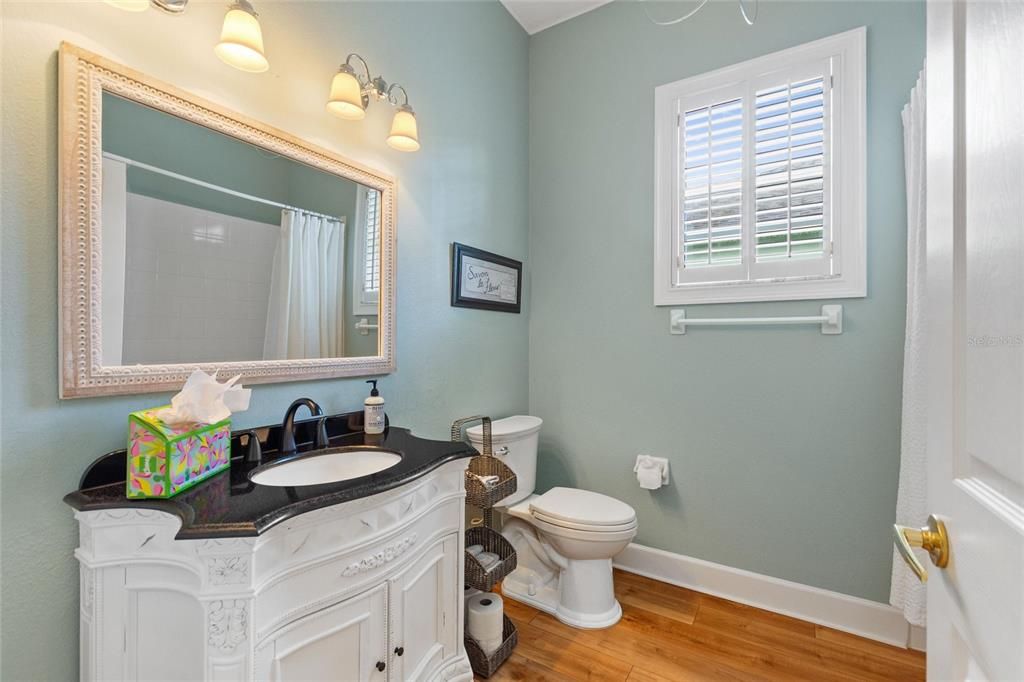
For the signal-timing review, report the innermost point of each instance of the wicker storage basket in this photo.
(484, 665)
(481, 489)
(482, 578)
(488, 479)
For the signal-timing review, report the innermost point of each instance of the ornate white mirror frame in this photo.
(84, 77)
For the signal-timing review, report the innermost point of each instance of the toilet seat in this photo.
(583, 526)
(583, 510)
(591, 536)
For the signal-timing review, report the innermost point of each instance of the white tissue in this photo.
(475, 549)
(487, 559)
(204, 400)
(651, 472)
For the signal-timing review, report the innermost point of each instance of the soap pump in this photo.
(373, 411)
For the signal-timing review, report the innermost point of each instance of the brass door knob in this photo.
(932, 538)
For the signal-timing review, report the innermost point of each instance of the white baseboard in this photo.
(918, 638)
(857, 616)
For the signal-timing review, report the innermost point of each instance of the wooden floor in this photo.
(671, 633)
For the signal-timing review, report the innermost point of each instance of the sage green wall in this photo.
(465, 65)
(784, 444)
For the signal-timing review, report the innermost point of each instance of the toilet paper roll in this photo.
(466, 594)
(484, 621)
(475, 549)
(651, 472)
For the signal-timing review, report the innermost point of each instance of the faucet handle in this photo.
(322, 441)
(254, 452)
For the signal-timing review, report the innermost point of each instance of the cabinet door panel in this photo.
(424, 607)
(341, 642)
(162, 619)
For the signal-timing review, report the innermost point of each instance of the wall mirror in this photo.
(192, 236)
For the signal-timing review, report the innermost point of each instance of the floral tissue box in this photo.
(163, 460)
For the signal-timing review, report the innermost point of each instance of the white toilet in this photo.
(564, 539)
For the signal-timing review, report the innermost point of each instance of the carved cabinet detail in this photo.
(364, 590)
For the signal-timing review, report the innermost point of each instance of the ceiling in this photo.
(537, 15)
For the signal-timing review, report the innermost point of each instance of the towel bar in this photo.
(830, 319)
(364, 326)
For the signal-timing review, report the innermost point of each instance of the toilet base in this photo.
(522, 585)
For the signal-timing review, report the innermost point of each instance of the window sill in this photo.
(752, 292)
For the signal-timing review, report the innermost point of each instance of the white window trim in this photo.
(363, 303)
(848, 200)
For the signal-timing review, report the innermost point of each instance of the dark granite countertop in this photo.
(230, 505)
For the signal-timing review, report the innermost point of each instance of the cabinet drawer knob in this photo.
(399, 651)
(381, 665)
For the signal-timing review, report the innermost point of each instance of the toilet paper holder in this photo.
(651, 472)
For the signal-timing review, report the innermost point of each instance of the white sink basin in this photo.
(329, 466)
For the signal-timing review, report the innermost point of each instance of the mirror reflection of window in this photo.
(216, 250)
(366, 278)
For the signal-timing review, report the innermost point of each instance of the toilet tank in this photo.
(519, 434)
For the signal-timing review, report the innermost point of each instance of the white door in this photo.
(425, 610)
(347, 641)
(975, 213)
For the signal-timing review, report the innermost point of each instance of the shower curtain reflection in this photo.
(305, 316)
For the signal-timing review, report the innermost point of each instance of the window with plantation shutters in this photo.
(366, 273)
(371, 249)
(760, 178)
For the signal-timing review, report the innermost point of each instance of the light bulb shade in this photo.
(129, 5)
(404, 136)
(241, 41)
(346, 99)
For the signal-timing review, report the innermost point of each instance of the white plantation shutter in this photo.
(790, 170)
(760, 180)
(776, 138)
(366, 270)
(372, 274)
(712, 184)
(371, 270)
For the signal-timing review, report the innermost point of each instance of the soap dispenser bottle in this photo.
(373, 411)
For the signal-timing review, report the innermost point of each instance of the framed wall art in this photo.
(485, 280)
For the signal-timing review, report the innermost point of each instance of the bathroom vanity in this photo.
(353, 580)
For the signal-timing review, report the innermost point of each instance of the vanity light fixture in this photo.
(350, 95)
(241, 40)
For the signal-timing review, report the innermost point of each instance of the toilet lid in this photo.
(582, 506)
(509, 427)
(588, 527)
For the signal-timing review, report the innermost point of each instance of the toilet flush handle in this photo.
(502, 451)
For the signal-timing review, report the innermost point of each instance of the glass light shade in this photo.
(241, 42)
(129, 5)
(346, 99)
(404, 136)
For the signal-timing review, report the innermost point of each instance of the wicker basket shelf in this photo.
(484, 579)
(484, 665)
(488, 480)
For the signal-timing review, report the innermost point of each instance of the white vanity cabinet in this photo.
(364, 590)
(425, 629)
(346, 641)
